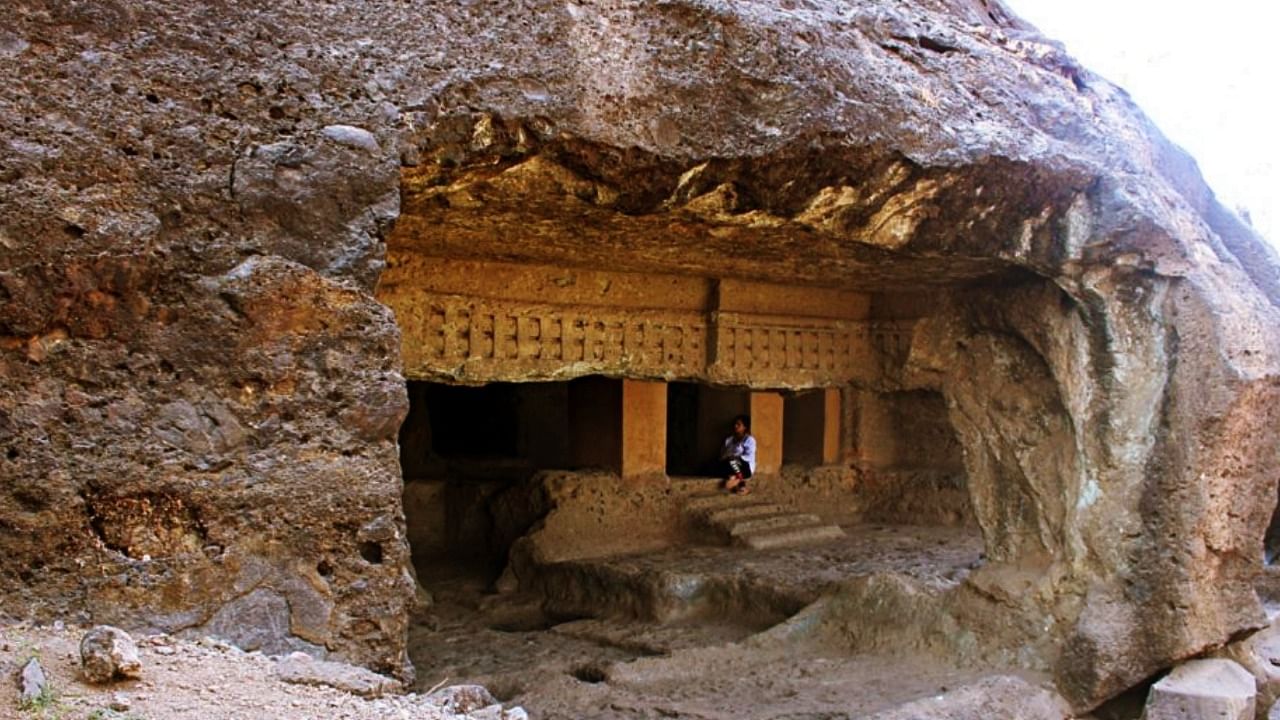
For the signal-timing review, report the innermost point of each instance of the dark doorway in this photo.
(475, 422)
(699, 417)
(803, 428)
(682, 430)
(468, 454)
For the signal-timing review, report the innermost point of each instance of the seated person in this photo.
(738, 456)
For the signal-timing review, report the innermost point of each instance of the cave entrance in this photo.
(468, 451)
(814, 337)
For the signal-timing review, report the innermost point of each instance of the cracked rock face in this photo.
(201, 393)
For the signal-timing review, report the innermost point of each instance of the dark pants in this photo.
(734, 465)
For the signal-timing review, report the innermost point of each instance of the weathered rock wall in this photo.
(191, 230)
(199, 397)
(1102, 446)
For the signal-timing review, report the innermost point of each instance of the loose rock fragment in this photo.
(32, 683)
(108, 653)
(1203, 690)
(497, 712)
(352, 137)
(1259, 654)
(463, 699)
(302, 669)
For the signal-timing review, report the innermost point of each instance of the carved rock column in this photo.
(644, 428)
(766, 426)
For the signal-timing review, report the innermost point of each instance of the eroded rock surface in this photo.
(200, 396)
(201, 393)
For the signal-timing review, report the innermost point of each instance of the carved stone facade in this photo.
(476, 322)
(478, 339)
(783, 350)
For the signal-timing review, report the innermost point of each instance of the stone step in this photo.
(712, 502)
(788, 537)
(772, 522)
(727, 516)
(693, 485)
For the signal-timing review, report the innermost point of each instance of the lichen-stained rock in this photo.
(200, 392)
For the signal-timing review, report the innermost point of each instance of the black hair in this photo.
(746, 421)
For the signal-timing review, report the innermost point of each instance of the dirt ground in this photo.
(184, 680)
(706, 665)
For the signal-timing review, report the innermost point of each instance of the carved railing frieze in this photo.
(891, 346)
(477, 339)
(473, 339)
(785, 351)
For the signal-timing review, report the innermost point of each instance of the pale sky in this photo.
(1208, 74)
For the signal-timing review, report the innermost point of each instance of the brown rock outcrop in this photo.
(201, 394)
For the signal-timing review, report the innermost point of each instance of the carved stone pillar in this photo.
(766, 426)
(644, 428)
(831, 426)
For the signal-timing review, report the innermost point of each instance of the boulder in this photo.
(108, 654)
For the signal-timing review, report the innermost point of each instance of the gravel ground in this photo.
(188, 680)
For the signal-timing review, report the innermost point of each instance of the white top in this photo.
(744, 448)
